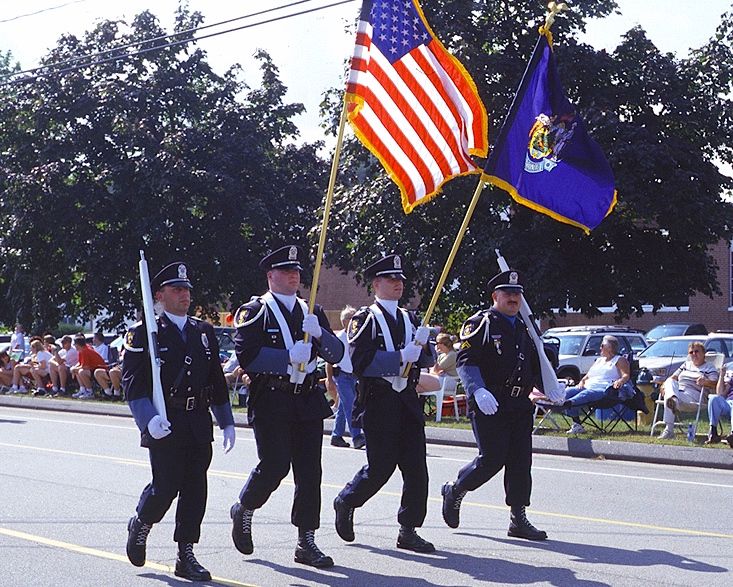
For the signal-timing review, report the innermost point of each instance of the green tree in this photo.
(651, 114)
(153, 152)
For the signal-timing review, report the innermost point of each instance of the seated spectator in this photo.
(693, 376)
(607, 377)
(444, 366)
(36, 366)
(110, 380)
(6, 371)
(721, 405)
(59, 370)
(99, 345)
(89, 361)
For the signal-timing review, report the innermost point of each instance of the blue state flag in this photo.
(544, 157)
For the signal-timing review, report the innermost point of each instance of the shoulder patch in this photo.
(357, 324)
(249, 313)
(472, 326)
(129, 341)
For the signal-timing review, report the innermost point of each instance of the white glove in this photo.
(557, 396)
(421, 335)
(229, 436)
(486, 401)
(300, 353)
(311, 326)
(410, 354)
(159, 427)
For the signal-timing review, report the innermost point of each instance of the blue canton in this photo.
(398, 28)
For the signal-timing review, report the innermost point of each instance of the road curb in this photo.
(690, 456)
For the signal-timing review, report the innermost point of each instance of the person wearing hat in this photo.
(286, 408)
(498, 366)
(179, 446)
(384, 339)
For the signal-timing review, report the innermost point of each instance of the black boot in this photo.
(242, 528)
(452, 504)
(344, 520)
(187, 566)
(409, 540)
(307, 553)
(137, 536)
(729, 439)
(519, 526)
(713, 436)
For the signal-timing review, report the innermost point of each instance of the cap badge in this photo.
(182, 271)
(293, 253)
(513, 278)
(397, 262)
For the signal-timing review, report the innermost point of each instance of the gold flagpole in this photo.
(326, 214)
(449, 261)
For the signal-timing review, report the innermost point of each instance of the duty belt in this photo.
(187, 404)
(516, 390)
(282, 383)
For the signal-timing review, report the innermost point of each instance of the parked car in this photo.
(720, 342)
(674, 329)
(663, 357)
(225, 338)
(580, 346)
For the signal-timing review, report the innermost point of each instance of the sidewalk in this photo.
(691, 456)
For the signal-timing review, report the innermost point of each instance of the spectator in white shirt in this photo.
(99, 346)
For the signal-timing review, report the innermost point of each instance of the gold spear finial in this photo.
(553, 10)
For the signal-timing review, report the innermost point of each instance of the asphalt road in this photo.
(69, 482)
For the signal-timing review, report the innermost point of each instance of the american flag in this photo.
(411, 103)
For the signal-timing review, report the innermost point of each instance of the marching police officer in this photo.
(179, 446)
(498, 366)
(384, 339)
(285, 407)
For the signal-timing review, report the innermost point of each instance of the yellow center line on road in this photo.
(244, 476)
(104, 554)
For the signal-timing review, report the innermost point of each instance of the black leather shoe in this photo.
(187, 566)
(307, 553)
(729, 440)
(409, 540)
(451, 504)
(242, 528)
(137, 536)
(519, 526)
(339, 442)
(360, 441)
(344, 520)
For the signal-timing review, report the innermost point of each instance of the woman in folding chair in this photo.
(720, 405)
(693, 376)
(611, 371)
(445, 365)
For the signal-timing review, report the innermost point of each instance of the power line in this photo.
(4, 80)
(151, 40)
(41, 11)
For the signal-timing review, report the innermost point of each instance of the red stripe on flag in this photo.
(393, 167)
(404, 105)
(440, 88)
(467, 91)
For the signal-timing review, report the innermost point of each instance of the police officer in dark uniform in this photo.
(285, 408)
(383, 340)
(179, 446)
(498, 366)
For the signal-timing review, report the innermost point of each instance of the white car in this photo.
(580, 346)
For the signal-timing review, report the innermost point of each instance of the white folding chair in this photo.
(449, 386)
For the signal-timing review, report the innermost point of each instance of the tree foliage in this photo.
(154, 152)
(663, 123)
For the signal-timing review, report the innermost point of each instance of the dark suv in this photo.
(674, 329)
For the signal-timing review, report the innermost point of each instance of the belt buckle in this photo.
(190, 403)
(516, 390)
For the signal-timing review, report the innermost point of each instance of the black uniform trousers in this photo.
(281, 443)
(395, 437)
(178, 471)
(504, 439)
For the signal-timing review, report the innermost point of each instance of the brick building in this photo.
(715, 313)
